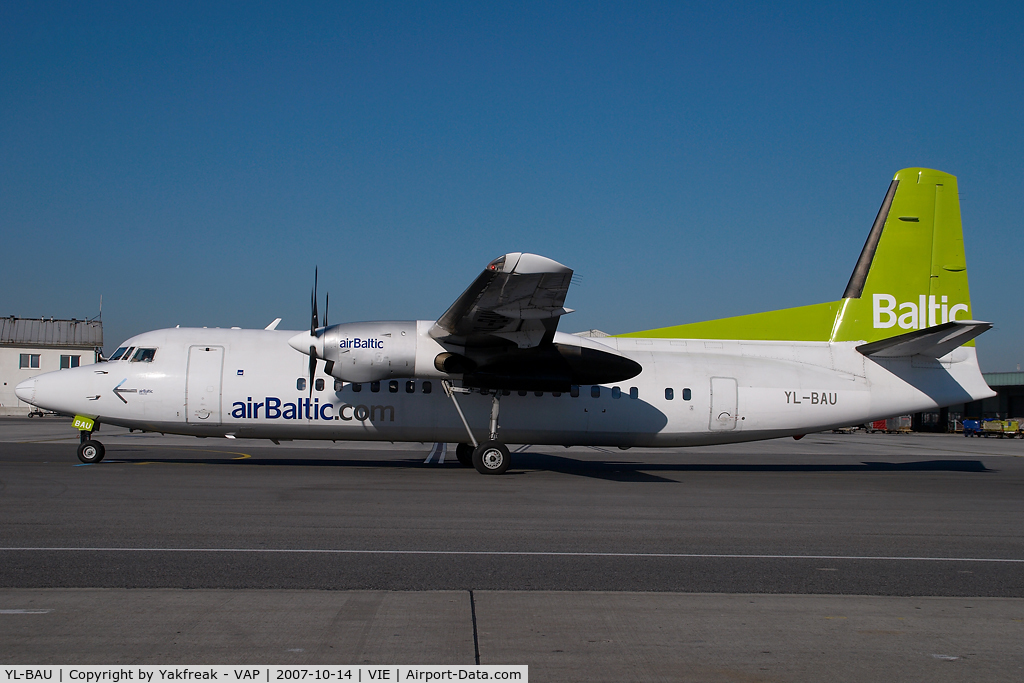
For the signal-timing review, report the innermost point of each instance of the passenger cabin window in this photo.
(427, 387)
(686, 394)
(523, 392)
(556, 394)
(120, 352)
(319, 384)
(70, 362)
(410, 387)
(669, 394)
(375, 387)
(634, 392)
(574, 391)
(393, 386)
(144, 356)
(595, 391)
(338, 385)
(357, 387)
(506, 392)
(538, 394)
(300, 384)
(616, 392)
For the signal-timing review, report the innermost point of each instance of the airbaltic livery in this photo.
(493, 369)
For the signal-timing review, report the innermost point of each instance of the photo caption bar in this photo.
(263, 673)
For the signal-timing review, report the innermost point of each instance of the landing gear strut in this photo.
(489, 457)
(90, 451)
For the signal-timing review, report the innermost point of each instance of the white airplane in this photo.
(493, 369)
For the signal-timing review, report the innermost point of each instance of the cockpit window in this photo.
(128, 354)
(144, 356)
(120, 352)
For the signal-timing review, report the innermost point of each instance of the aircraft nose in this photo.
(26, 391)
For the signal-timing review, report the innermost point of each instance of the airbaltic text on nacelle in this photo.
(359, 343)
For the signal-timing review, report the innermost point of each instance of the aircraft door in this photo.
(203, 384)
(723, 404)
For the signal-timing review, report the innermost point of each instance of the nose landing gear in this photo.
(90, 451)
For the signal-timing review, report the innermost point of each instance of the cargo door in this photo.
(723, 404)
(203, 384)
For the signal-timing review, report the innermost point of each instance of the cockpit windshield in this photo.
(144, 356)
(119, 353)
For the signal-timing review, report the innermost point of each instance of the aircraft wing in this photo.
(518, 297)
(934, 342)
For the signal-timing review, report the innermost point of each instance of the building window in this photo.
(319, 384)
(70, 362)
(595, 391)
(686, 394)
(29, 361)
(669, 394)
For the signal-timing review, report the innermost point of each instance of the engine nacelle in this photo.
(368, 352)
(373, 351)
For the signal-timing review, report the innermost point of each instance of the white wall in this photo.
(11, 374)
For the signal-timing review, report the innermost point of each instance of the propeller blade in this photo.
(315, 323)
(312, 369)
(327, 306)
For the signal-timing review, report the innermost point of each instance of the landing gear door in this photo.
(203, 386)
(723, 404)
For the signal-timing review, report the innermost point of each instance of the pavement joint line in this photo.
(523, 553)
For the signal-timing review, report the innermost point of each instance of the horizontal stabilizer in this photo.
(933, 342)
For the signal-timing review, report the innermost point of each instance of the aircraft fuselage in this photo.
(251, 384)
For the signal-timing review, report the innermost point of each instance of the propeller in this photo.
(314, 323)
(329, 365)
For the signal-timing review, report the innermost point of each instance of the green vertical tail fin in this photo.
(911, 274)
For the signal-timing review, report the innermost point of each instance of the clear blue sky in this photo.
(192, 163)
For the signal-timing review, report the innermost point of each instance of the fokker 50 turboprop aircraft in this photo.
(493, 369)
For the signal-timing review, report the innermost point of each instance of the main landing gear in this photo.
(489, 457)
(90, 451)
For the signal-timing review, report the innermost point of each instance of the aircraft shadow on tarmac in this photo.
(610, 470)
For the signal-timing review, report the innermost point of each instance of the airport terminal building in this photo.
(30, 347)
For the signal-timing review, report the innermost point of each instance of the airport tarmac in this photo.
(839, 556)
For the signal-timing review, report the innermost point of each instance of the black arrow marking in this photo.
(118, 391)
